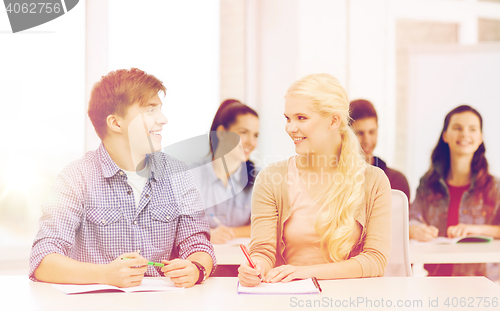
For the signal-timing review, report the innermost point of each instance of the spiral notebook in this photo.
(307, 286)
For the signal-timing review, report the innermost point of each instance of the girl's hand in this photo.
(423, 233)
(461, 230)
(287, 273)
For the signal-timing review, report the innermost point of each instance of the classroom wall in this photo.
(203, 58)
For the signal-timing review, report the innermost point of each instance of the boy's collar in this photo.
(110, 168)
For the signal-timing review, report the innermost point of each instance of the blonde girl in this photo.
(324, 212)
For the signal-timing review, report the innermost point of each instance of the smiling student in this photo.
(365, 125)
(458, 196)
(325, 212)
(123, 204)
(226, 176)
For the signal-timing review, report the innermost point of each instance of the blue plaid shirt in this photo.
(90, 214)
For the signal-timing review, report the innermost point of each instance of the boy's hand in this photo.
(181, 271)
(126, 272)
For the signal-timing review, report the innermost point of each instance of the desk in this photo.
(421, 253)
(18, 293)
(228, 254)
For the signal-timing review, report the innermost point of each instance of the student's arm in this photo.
(491, 229)
(418, 230)
(346, 269)
(372, 260)
(183, 272)
(56, 268)
(61, 218)
(222, 234)
(467, 229)
(242, 232)
(193, 237)
(263, 229)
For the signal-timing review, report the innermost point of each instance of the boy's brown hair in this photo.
(118, 90)
(360, 109)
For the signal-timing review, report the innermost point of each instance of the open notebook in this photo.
(307, 286)
(147, 285)
(463, 239)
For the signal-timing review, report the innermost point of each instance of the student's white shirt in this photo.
(137, 180)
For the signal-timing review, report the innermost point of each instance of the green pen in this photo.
(156, 264)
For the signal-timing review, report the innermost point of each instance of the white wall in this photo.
(42, 99)
(288, 40)
(442, 78)
(353, 40)
(178, 42)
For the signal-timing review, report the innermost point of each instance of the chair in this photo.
(398, 263)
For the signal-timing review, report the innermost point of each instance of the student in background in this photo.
(365, 125)
(123, 204)
(458, 196)
(225, 178)
(325, 212)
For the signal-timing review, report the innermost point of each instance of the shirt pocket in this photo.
(103, 217)
(105, 228)
(164, 220)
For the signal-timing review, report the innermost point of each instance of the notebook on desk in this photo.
(307, 286)
(147, 285)
(463, 239)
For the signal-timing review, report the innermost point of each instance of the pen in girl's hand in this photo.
(250, 261)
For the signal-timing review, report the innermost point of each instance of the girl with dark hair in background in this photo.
(458, 196)
(225, 178)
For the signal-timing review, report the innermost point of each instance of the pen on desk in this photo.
(250, 261)
(150, 263)
(316, 283)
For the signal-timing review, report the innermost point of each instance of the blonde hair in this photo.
(344, 198)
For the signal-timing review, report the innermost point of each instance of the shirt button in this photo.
(135, 222)
(121, 173)
(147, 195)
(129, 192)
(103, 221)
(168, 217)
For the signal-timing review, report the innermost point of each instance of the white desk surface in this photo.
(230, 254)
(456, 253)
(18, 293)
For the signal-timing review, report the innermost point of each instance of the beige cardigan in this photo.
(270, 210)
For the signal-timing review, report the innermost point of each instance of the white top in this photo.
(227, 205)
(137, 180)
